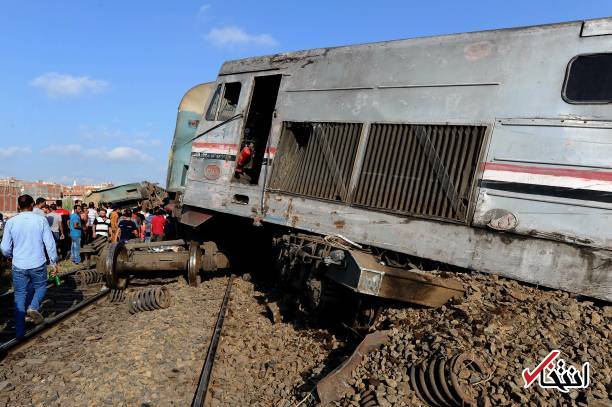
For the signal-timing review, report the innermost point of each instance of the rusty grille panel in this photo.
(316, 159)
(424, 170)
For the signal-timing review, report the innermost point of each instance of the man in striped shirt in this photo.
(101, 224)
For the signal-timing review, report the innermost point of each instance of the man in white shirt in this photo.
(26, 238)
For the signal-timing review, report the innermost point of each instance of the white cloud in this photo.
(117, 154)
(68, 149)
(56, 85)
(135, 138)
(125, 154)
(6, 152)
(230, 36)
(145, 141)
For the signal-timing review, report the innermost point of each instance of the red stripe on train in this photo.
(557, 172)
(215, 145)
(269, 150)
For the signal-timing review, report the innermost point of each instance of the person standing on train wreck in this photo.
(26, 238)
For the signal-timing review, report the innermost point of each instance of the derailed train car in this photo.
(489, 151)
(188, 116)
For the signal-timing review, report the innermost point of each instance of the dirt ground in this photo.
(107, 357)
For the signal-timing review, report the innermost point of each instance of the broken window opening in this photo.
(229, 102)
(211, 113)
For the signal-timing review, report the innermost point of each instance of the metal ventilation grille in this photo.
(425, 170)
(316, 159)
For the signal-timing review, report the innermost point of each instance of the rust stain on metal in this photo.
(335, 385)
(339, 224)
(289, 208)
(418, 287)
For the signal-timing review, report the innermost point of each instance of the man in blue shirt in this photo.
(26, 237)
(75, 234)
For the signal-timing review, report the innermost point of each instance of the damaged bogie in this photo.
(312, 263)
(152, 259)
(301, 267)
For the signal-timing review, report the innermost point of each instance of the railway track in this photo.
(200, 393)
(78, 289)
(115, 344)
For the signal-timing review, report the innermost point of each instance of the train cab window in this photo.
(211, 113)
(229, 101)
(589, 79)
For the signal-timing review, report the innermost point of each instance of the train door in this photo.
(251, 154)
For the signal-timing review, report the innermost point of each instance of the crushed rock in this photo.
(510, 326)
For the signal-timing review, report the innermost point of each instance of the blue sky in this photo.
(89, 89)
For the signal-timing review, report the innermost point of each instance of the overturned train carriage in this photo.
(489, 151)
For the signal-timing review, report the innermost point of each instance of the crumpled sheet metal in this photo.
(335, 385)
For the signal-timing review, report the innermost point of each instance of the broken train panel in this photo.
(487, 150)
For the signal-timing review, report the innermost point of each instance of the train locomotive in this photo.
(489, 151)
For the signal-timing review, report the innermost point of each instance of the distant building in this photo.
(11, 188)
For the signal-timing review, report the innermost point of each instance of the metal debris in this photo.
(88, 277)
(117, 296)
(149, 300)
(441, 382)
(368, 399)
(335, 385)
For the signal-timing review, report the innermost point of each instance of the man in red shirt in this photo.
(158, 225)
(61, 210)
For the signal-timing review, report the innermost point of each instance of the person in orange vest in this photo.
(245, 157)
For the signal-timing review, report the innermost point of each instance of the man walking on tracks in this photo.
(26, 237)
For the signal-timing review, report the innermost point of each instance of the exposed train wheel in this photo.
(107, 265)
(194, 265)
(366, 314)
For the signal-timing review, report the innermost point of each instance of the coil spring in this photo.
(368, 399)
(149, 299)
(436, 380)
(88, 277)
(117, 296)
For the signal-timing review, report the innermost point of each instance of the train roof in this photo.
(194, 98)
(593, 27)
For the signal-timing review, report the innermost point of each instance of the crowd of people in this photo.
(44, 233)
(88, 222)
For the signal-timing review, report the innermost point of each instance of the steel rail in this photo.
(200, 394)
(66, 274)
(6, 347)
